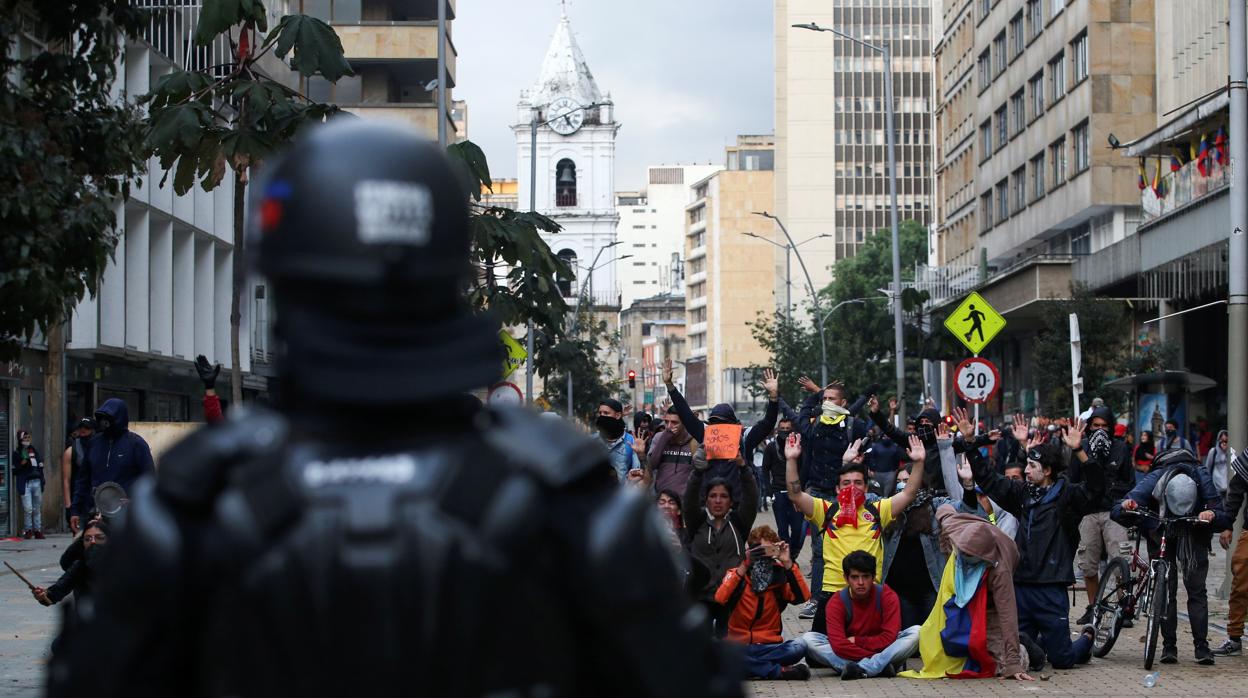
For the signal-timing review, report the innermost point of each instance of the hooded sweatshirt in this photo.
(112, 455)
(1219, 463)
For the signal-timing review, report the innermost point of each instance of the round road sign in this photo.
(976, 380)
(505, 394)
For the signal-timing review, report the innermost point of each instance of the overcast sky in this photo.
(686, 76)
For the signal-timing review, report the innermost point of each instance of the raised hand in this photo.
(770, 383)
(1020, 428)
(942, 432)
(917, 452)
(667, 371)
(873, 405)
(808, 385)
(793, 446)
(1073, 436)
(852, 454)
(963, 421)
(965, 475)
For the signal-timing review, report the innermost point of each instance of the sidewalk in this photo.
(26, 628)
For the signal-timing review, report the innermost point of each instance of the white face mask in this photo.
(831, 410)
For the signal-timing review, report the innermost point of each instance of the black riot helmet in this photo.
(362, 231)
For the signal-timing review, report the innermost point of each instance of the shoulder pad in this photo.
(553, 451)
(194, 471)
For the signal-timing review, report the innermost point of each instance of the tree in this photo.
(68, 154)
(794, 350)
(233, 115)
(1106, 330)
(860, 335)
(578, 354)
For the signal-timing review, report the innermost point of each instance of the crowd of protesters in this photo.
(939, 542)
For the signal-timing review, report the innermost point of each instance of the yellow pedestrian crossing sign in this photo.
(516, 353)
(975, 323)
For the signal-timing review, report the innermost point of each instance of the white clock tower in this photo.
(575, 176)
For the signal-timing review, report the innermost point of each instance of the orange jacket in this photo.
(748, 622)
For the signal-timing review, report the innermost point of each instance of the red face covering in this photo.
(849, 498)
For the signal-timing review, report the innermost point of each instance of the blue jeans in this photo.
(32, 504)
(819, 650)
(765, 661)
(1044, 614)
(790, 523)
(816, 550)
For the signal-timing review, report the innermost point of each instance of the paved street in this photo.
(29, 628)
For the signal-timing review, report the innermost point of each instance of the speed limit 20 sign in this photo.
(976, 380)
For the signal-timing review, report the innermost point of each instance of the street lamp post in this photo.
(534, 124)
(814, 297)
(824, 319)
(788, 268)
(891, 144)
(576, 319)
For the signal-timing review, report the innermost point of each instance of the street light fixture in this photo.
(891, 143)
(788, 268)
(576, 319)
(534, 124)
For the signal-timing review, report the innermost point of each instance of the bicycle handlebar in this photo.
(1165, 519)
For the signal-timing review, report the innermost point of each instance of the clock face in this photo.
(565, 116)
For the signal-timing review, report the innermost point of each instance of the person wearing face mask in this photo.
(1049, 508)
(1218, 461)
(114, 454)
(789, 521)
(716, 526)
(670, 459)
(617, 441)
(925, 426)
(80, 576)
(29, 480)
(1172, 439)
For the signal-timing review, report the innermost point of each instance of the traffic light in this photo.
(632, 379)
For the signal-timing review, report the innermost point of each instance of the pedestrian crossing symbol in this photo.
(975, 323)
(516, 354)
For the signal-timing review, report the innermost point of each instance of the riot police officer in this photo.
(378, 533)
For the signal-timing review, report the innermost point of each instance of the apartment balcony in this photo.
(698, 302)
(365, 42)
(695, 278)
(696, 253)
(1110, 265)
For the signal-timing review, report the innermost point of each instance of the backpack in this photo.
(848, 603)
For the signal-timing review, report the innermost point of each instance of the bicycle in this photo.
(1117, 602)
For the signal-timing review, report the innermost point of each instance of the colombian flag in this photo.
(1202, 157)
(1219, 144)
(1179, 159)
(1142, 181)
(1159, 185)
(953, 642)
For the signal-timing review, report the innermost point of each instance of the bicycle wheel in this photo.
(1157, 611)
(1107, 613)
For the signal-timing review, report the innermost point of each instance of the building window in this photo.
(1003, 126)
(985, 70)
(568, 257)
(1035, 18)
(1079, 56)
(999, 53)
(1037, 177)
(985, 211)
(985, 140)
(1082, 159)
(1057, 7)
(1018, 111)
(1036, 86)
(1081, 240)
(565, 183)
(1018, 189)
(1057, 77)
(1057, 158)
(1017, 38)
(1003, 200)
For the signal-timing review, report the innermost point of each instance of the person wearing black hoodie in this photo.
(1049, 508)
(925, 428)
(114, 454)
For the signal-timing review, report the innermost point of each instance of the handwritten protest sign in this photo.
(723, 441)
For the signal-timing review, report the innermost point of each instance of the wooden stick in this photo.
(19, 575)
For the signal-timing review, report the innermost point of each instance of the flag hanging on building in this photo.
(1219, 144)
(1180, 158)
(1158, 184)
(1142, 181)
(1202, 157)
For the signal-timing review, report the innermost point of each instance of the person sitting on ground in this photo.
(853, 520)
(1052, 508)
(1180, 486)
(755, 593)
(723, 413)
(864, 636)
(716, 526)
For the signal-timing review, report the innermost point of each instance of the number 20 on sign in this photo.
(977, 380)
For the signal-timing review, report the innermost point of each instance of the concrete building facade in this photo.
(831, 164)
(651, 331)
(724, 271)
(652, 230)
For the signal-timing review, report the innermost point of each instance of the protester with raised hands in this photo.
(1052, 506)
(853, 519)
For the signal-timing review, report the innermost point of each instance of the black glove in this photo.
(207, 372)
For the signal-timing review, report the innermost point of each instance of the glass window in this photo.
(1057, 77)
(1018, 110)
(1003, 200)
(1017, 39)
(1003, 129)
(999, 53)
(985, 140)
(985, 211)
(1035, 18)
(1079, 55)
(1082, 159)
(1057, 158)
(1037, 177)
(1018, 189)
(985, 70)
(1036, 86)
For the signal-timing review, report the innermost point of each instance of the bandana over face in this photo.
(849, 498)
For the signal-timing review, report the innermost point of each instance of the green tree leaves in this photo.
(218, 16)
(317, 48)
